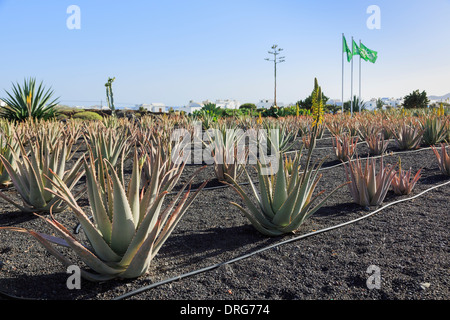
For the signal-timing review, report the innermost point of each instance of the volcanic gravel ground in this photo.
(408, 243)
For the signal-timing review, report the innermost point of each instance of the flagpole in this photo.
(351, 87)
(342, 74)
(359, 78)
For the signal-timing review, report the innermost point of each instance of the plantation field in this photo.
(407, 242)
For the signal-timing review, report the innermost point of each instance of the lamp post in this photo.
(275, 51)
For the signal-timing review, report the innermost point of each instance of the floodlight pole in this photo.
(275, 51)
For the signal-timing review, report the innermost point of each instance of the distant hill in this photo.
(444, 97)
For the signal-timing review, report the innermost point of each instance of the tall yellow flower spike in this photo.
(317, 107)
(259, 118)
(441, 110)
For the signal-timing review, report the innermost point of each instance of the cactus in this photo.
(109, 95)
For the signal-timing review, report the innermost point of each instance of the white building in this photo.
(2, 103)
(387, 103)
(224, 104)
(392, 102)
(190, 108)
(371, 104)
(228, 104)
(154, 107)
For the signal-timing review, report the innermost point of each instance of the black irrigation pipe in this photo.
(218, 265)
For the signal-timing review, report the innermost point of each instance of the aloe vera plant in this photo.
(277, 136)
(434, 130)
(345, 146)
(109, 143)
(408, 136)
(9, 149)
(128, 224)
(228, 152)
(285, 198)
(367, 187)
(402, 184)
(443, 159)
(33, 172)
(376, 143)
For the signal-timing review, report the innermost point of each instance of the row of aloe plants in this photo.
(128, 224)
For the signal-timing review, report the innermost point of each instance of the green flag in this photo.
(346, 49)
(355, 49)
(367, 54)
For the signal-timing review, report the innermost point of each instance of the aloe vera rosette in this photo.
(32, 173)
(368, 187)
(285, 198)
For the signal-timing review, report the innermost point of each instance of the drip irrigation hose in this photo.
(215, 266)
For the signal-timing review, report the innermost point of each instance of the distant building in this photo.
(228, 104)
(154, 107)
(371, 104)
(392, 102)
(335, 102)
(190, 108)
(2, 103)
(194, 106)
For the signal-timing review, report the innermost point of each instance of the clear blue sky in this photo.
(173, 51)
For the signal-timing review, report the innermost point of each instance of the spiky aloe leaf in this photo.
(123, 226)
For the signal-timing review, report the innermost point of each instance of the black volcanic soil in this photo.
(408, 242)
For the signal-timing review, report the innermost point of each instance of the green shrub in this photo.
(87, 115)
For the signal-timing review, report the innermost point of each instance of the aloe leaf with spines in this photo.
(124, 236)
